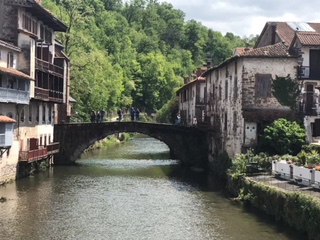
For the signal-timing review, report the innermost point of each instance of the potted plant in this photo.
(313, 159)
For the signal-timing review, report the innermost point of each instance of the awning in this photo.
(15, 73)
(5, 119)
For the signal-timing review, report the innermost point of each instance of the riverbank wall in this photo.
(298, 210)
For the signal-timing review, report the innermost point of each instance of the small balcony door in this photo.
(315, 64)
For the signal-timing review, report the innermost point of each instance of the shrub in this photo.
(240, 162)
(283, 137)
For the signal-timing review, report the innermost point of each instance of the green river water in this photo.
(129, 191)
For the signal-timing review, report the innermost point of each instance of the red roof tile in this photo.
(15, 72)
(276, 50)
(5, 119)
(309, 38)
(238, 51)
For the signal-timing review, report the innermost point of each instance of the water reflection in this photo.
(112, 194)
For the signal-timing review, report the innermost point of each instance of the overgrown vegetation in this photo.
(134, 53)
(295, 208)
(282, 137)
(286, 90)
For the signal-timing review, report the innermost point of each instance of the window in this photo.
(45, 34)
(22, 116)
(30, 113)
(10, 83)
(235, 67)
(44, 114)
(10, 60)
(263, 85)
(50, 113)
(235, 88)
(29, 24)
(225, 121)
(226, 90)
(37, 113)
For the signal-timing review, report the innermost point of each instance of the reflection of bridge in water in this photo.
(187, 144)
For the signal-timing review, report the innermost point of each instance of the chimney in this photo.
(273, 32)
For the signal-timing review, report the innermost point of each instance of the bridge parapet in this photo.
(187, 144)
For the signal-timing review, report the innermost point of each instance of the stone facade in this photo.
(28, 64)
(240, 100)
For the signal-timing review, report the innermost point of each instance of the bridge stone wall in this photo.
(187, 144)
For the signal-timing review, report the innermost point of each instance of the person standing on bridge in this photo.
(132, 114)
(102, 113)
(92, 116)
(137, 114)
(119, 115)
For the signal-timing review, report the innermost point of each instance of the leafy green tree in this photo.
(286, 90)
(283, 137)
(168, 113)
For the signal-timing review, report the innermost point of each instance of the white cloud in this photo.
(246, 17)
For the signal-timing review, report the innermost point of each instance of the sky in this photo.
(246, 17)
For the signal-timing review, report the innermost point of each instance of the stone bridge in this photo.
(187, 144)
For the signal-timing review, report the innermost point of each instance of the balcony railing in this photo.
(55, 96)
(53, 148)
(48, 95)
(33, 155)
(14, 96)
(42, 94)
(305, 72)
(49, 67)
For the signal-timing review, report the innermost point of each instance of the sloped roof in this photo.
(44, 15)
(276, 50)
(286, 30)
(198, 79)
(9, 46)
(15, 72)
(5, 119)
(309, 38)
(239, 50)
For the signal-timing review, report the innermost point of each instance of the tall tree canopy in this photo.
(135, 53)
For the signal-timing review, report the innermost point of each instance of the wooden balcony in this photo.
(53, 148)
(8, 95)
(41, 94)
(33, 155)
(48, 95)
(49, 68)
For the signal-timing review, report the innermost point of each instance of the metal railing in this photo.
(33, 155)
(285, 182)
(14, 96)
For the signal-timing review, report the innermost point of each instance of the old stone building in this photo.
(304, 42)
(34, 82)
(191, 98)
(239, 99)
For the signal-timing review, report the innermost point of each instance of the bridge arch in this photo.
(187, 144)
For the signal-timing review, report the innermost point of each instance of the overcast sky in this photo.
(246, 17)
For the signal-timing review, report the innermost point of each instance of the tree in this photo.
(286, 90)
(283, 137)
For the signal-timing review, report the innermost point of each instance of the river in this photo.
(128, 191)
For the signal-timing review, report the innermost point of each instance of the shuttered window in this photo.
(263, 85)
